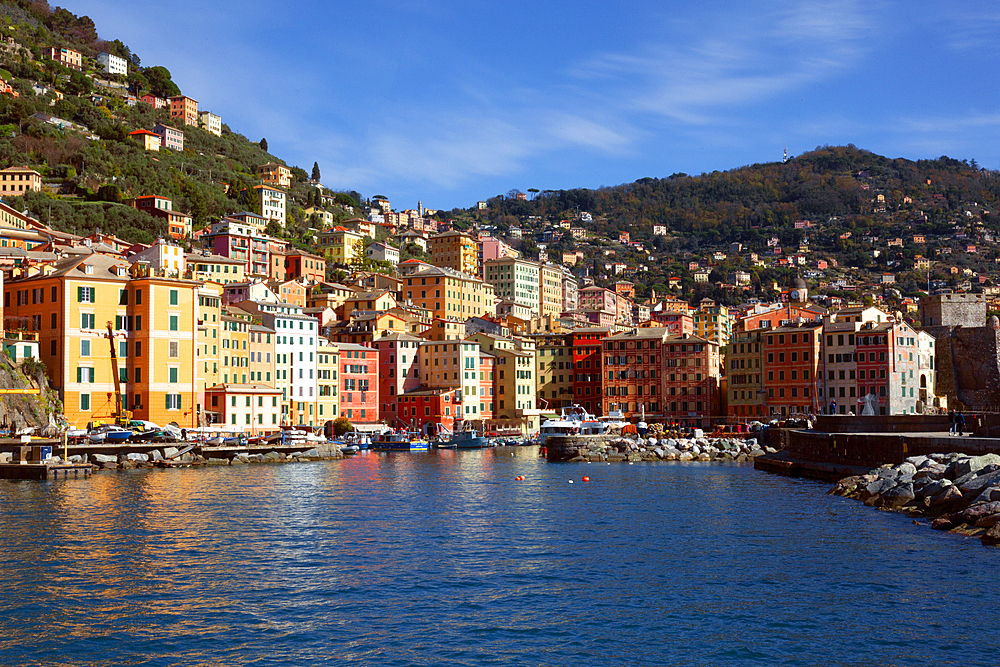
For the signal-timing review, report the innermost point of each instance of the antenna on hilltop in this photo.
(785, 158)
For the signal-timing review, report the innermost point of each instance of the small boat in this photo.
(400, 442)
(466, 439)
(110, 433)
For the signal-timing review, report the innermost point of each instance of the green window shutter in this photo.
(79, 293)
(79, 374)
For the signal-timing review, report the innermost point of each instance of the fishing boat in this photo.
(466, 439)
(573, 420)
(400, 441)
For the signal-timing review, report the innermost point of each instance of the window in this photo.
(173, 401)
(173, 320)
(84, 401)
(172, 375)
(84, 348)
(173, 297)
(85, 294)
(173, 349)
(87, 321)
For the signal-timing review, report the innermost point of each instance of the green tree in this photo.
(341, 425)
(315, 172)
(263, 145)
(160, 83)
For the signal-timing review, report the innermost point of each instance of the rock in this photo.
(906, 469)
(751, 442)
(685, 456)
(695, 449)
(917, 461)
(897, 496)
(932, 470)
(704, 456)
(988, 521)
(950, 496)
(757, 452)
(137, 457)
(273, 457)
(6, 457)
(104, 458)
(976, 512)
(659, 452)
(109, 465)
(126, 465)
(974, 463)
(770, 450)
(877, 488)
(935, 486)
(170, 452)
(943, 523)
(237, 461)
(978, 482)
(887, 473)
(76, 458)
(742, 457)
(992, 536)
(218, 462)
(155, 455)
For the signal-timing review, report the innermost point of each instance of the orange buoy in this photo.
(586, 479)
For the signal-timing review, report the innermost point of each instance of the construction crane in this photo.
(122, 417)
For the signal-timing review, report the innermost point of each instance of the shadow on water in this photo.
(444, 558)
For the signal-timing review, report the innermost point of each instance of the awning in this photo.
(370, 428)
(548, 415)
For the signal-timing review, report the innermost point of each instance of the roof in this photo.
(152, 134)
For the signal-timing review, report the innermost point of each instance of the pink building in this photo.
(171, 137)
(398, 373)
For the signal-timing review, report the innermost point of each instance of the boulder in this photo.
(6, 457)
(137, 457)
(659, 452)
(978, 482)
(992, 536)
(988, 521)
(170, 452)
(770, 450)
(218, 462)
(685, 456)
(949, 497)
(704, 456)
(155, 455)
(943, 523)
(104, 458)
(897, 496)
(742, 457)
(976, 512)
(757, 452)
(237, 461)
(974, 463)
(906, 469)
(76, 458)
(877, 488)
(273, 457)
(751, 442)
(916, 461)
(887, 473)
(109, 465)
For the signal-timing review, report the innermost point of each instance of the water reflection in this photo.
(443, 558)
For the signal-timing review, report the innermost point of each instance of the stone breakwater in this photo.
(619, 448)
(960, 493)
(169, 458)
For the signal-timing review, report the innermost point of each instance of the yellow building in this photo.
(276, 174)
(251, 408)
(207, 352)
(234, 337)
(554, 371)
(15, 181)
(455, 250)
(515, 379)
(216, 268)
(341, 246)
(154, 321)
(550, 293)
(711, 322)
(449, 294)
(328, 360)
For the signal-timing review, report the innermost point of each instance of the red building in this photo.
(587, 368)
(301, 264)
(398, 360)
(677, 324)
(792, 359)
(424, 409)
(359, 383)
(669, 378)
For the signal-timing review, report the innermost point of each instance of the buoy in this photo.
(570, 481)
(586, 479)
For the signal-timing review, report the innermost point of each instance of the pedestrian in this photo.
(960, 423)
(952, 422)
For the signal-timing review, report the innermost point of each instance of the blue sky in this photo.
(450, 102)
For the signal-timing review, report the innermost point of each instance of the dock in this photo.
(44, 471)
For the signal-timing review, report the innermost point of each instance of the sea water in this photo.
(444, 558)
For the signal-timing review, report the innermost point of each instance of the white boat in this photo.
(573, 420)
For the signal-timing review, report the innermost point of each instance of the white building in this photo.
(272, 203)
(163, 256)
(113, 64)
(210, 122)
(383, 253)
(296, 342)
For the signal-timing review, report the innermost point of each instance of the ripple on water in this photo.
(433, 559)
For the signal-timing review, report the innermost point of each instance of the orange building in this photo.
(15, 181)
(455, 250)
(154, 321)
(185, 108)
